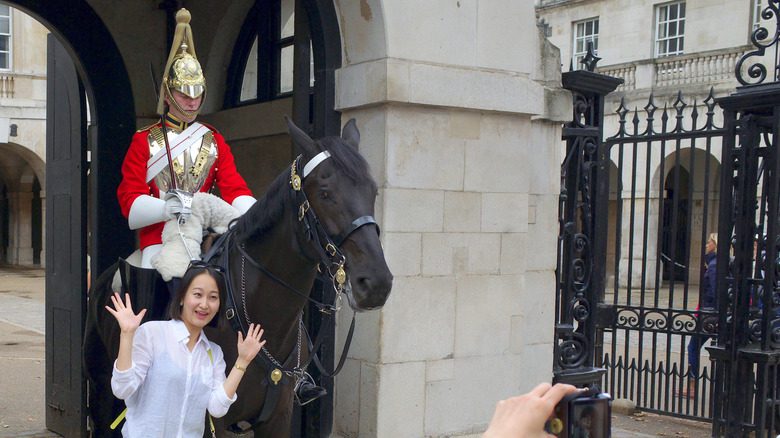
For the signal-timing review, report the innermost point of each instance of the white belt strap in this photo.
(314, 162)
(183, 141)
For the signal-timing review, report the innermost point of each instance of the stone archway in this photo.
(23, 174)
(82, 60)
(108, 88)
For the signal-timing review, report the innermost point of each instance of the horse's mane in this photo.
(268, 210)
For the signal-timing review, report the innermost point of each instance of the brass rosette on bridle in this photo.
(340, 275)
(295, 179)
(183, 72)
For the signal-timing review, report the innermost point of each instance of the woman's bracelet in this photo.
(239, 367)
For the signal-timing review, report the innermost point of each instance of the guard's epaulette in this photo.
(210, 127)
(148, 127)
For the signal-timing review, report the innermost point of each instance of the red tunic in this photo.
(229, 182)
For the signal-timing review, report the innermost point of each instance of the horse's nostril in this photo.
(375, 284)
(365, 283)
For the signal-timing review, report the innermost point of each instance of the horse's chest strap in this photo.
(275, 381)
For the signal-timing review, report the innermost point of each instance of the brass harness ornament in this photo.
(340, 276)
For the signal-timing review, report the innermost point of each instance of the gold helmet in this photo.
(182, 72)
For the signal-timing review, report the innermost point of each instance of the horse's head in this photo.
(340, 190)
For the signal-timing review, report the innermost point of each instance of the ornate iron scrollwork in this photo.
(573, 351)
(580, 258)
(761, 39)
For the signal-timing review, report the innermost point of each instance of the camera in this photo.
(582, 415)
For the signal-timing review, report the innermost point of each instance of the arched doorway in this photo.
(83, 62)
(675, 236)
(21, 174)
(101, 76)
(690, 202)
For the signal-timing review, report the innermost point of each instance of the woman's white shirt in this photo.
(168, 388)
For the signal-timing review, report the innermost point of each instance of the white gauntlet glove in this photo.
(178, 204)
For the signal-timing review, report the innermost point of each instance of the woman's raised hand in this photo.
(249, 347)
(123, 312)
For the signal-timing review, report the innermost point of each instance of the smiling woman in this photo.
(159, 356)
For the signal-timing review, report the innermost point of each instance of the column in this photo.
(20, 251)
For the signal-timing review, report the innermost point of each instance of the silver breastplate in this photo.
(191, 166)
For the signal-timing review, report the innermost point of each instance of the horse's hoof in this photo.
(235, 432)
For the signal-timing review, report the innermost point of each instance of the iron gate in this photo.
(635, 212)
(662, 206)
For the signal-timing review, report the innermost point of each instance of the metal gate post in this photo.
(747, 355)
(582, 205)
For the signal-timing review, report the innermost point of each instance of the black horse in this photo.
(307, 224)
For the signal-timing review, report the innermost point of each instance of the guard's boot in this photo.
(306, 391)
(147, 290)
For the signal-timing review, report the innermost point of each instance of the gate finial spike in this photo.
(590, 60)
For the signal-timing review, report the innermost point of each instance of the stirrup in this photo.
(306, 391)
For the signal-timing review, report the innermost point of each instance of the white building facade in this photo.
(658, 48)
(22, 137)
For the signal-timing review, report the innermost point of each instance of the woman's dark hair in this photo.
(195, 269)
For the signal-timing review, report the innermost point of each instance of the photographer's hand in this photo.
(525, 415)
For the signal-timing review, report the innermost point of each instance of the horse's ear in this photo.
(350, 133)
(301, 140)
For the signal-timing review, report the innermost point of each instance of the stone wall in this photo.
(459, 112)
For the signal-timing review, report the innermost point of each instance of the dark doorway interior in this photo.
(675, 241)
(37, 221)
(4, 217)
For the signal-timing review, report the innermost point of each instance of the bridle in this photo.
(331, 259)
(330, 264)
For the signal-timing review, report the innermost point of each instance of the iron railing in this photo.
(580, 276)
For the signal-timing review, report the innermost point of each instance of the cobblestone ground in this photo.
(22, 351)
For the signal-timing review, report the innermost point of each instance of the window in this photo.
(5, 37)
(584, 32)
(268, 44)
(670, 29)
(756, 14)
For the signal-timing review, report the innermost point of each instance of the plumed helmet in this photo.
(182, 72)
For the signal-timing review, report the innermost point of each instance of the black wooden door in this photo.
(65, 243)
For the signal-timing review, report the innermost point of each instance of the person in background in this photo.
(708, 300)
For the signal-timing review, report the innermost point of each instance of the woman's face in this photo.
(711, 246)
(200, 303)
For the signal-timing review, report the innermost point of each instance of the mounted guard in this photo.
(172, 162)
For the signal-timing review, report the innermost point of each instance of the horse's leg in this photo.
(98, 365)
(99, 410)
(280, 423)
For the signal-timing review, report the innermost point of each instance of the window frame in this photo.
(263, 23)
(576, 56)
(756, 22)
(9, 67)
(659, 41)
